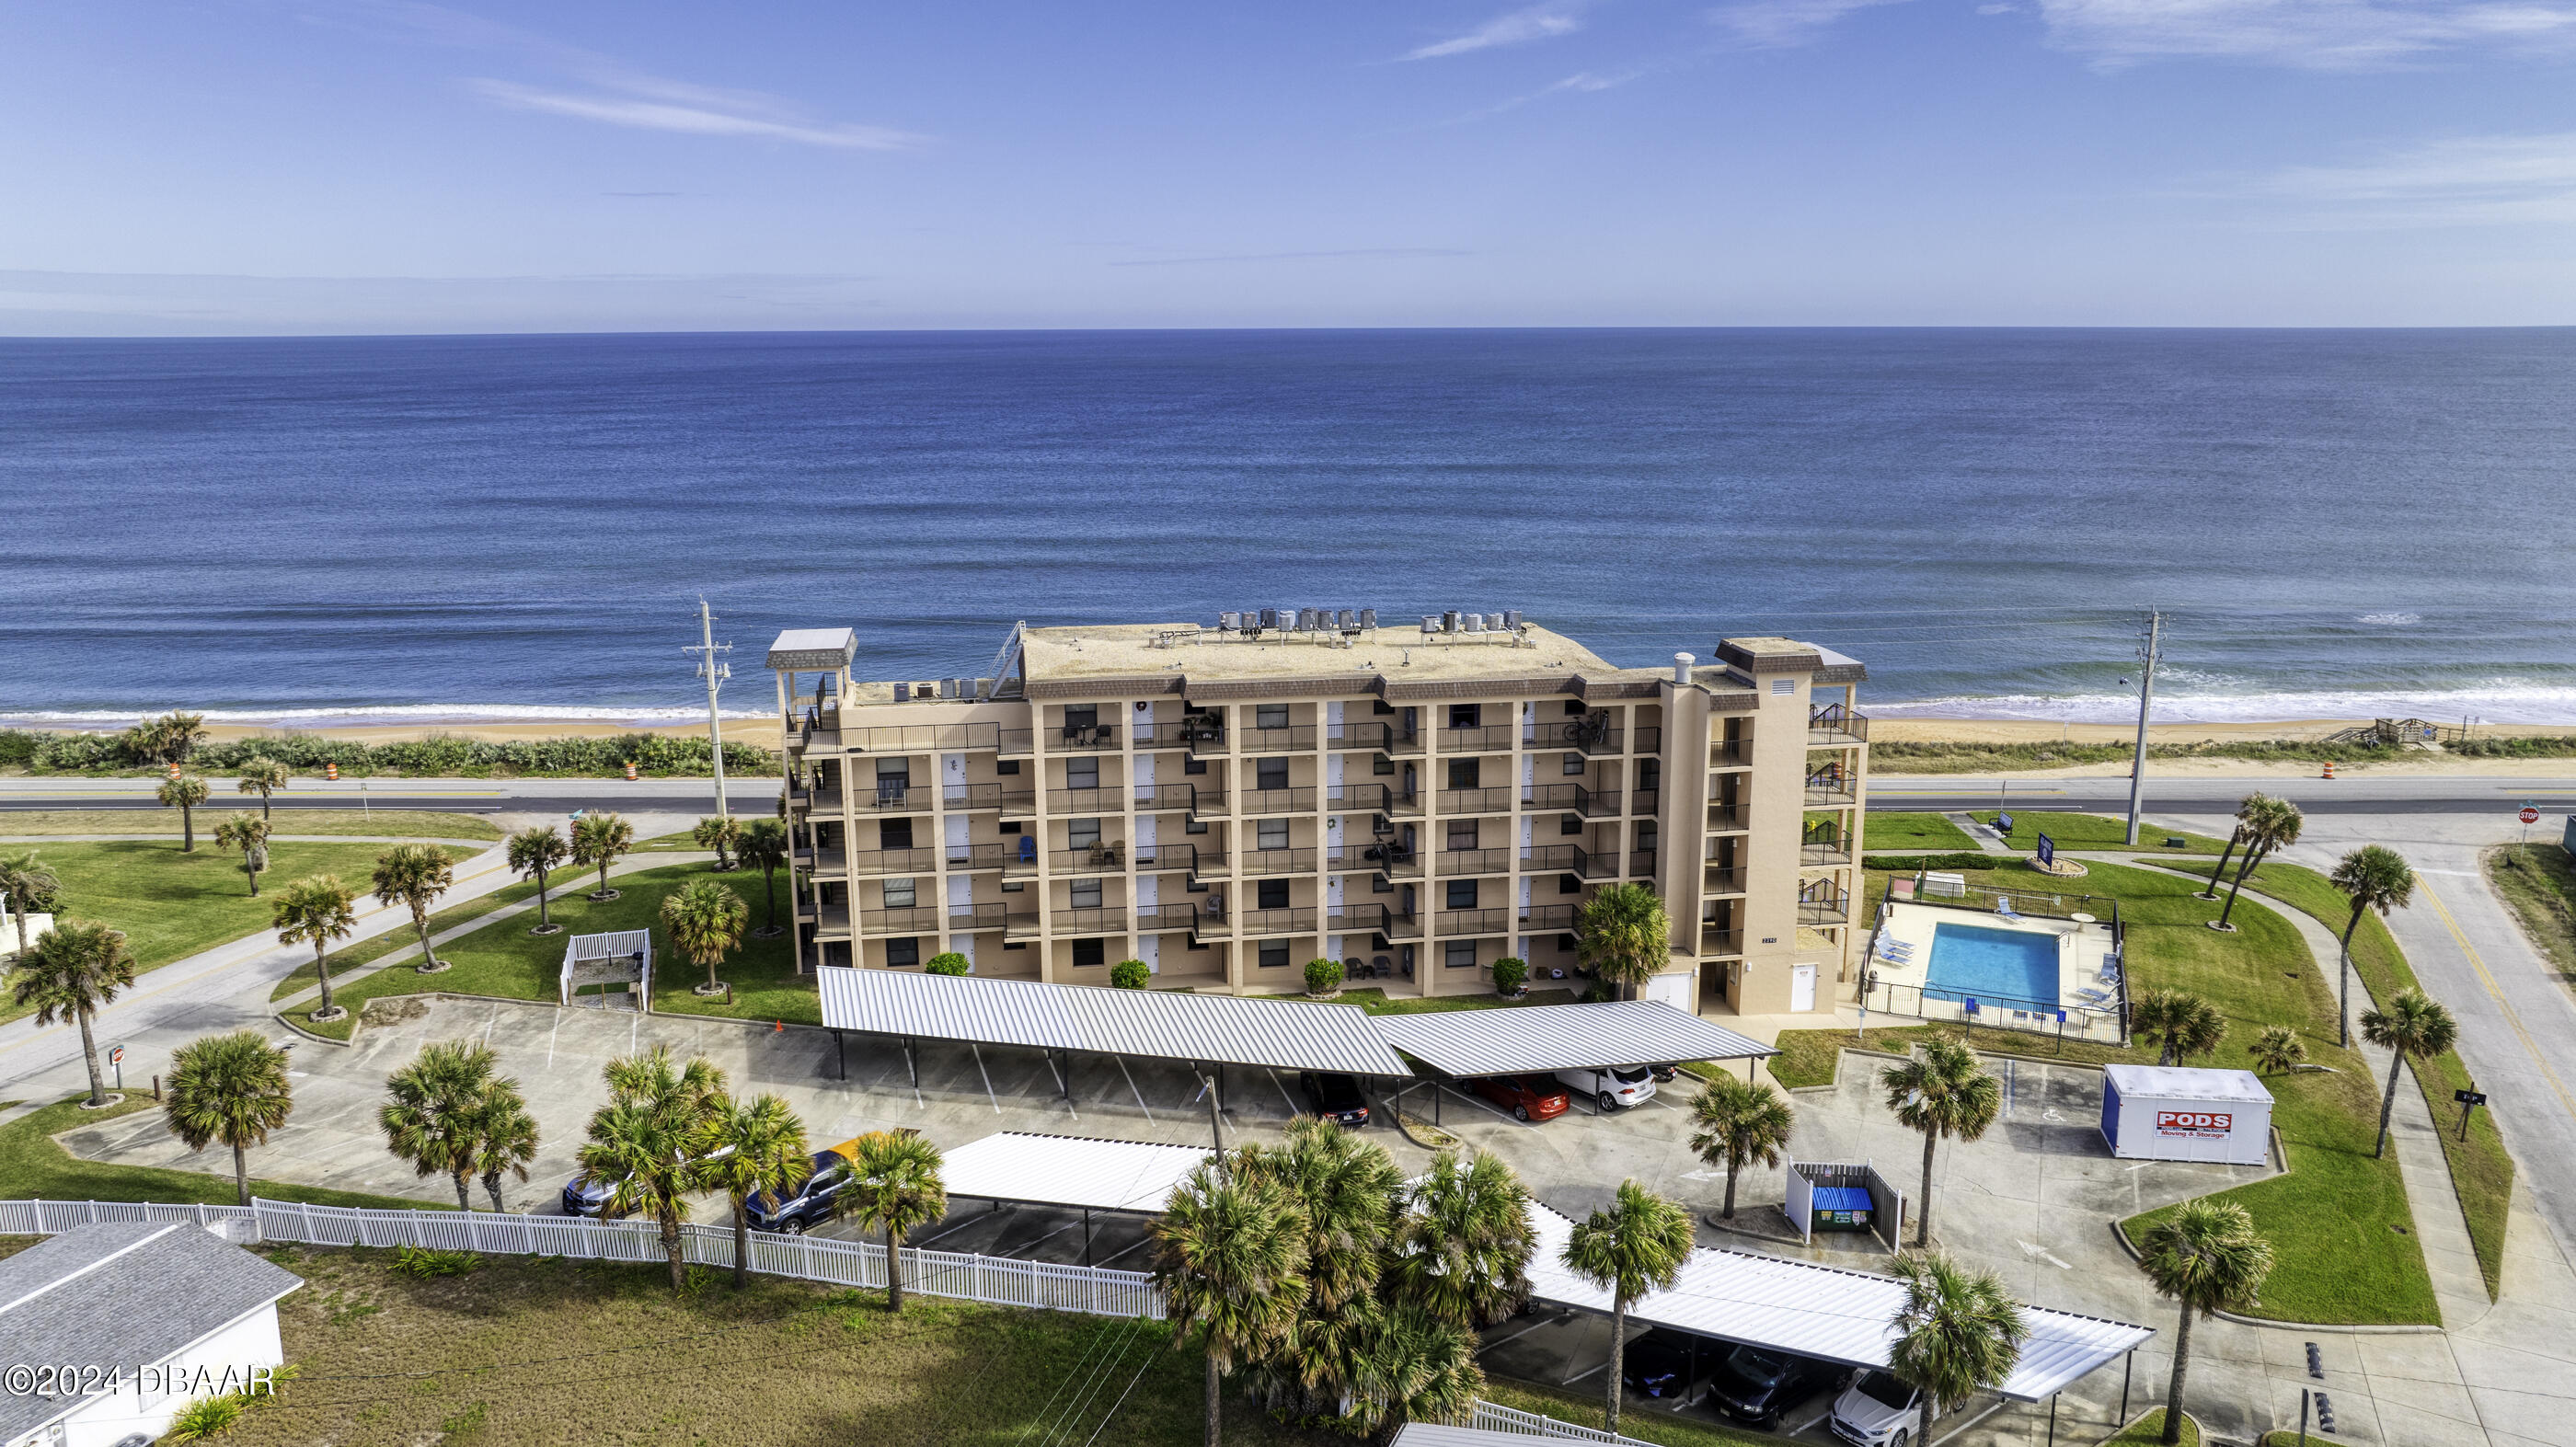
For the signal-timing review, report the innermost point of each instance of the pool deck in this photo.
(2089, 997)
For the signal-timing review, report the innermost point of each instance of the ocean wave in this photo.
(2499, 703)
(398, 715)
(2391, 620)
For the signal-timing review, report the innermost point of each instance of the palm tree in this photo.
(414, 876)
(249, 834)
(719, 833)
(2274, 824)
(263, 776)
(73, 972)
(2182, 1025)
(317, 910)
(1230, 1256)
(706, 921)
(1736, 1123)
(1463, 1246)
(2235, 837)
(1958, 1332)
(754, 1148)
(2206, 1256)
(1942, 1089)
(894, 1187)
(230, 1089)
(1346, 1189)
(178, 734)
(2201, 1029)
(505, 1138)
(1406, 1364)
(536, 852)
(433, 1114)
(2372, 877)
(764, 847)
(598, 839)
(1638, 1245)
(2411, 1023)
(2278, 1049)
(642, 1143)
(184, 794)
(25, 882)
(1623, 933)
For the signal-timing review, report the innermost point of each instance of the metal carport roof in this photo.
(1541, 1038)
(1156, 1024)
(1078, 1171)
(1819, 1311)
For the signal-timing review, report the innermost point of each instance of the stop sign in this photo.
(2530, 815)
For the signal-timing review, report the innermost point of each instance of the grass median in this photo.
(33, 1164)
(1913, 831)
(379, 823)
(2338, 1219)
(2538, 882)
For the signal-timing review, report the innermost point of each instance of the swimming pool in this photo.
(2008, 967)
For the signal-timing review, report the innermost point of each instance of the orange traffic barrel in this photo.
(2329, 773)
(331, 771)
(630, 771)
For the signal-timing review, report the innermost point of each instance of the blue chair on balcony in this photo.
(1028, 849)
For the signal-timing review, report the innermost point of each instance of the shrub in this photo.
(423, 1262)
(948, 962)
(206, 1417)
(1908, 863)
(1323, 976)
(440, 754)
(18, 747)
(1510, 974)
(1130, 974)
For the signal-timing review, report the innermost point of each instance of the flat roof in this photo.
(1148, 1024)
(1079, 1171)
(1819, 1311)
(2178, 1082)
(1562, 1037)
(819, 648)
(1397, 651)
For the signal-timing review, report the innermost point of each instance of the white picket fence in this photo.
(1495, 1417)
(999, 1280)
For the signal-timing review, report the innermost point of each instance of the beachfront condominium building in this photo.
(1228, 802)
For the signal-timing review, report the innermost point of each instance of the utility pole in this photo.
(713, 668)
(2147, 656)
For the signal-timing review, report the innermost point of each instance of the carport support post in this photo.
(1086, 1235)
(912, 1060)
(2052, 1405)
(841, 1053)
(2130, 1366)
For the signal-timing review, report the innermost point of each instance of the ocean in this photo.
(2336, 523)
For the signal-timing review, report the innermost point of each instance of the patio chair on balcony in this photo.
(1353, 969)
(1028, 849)
(1381, 968)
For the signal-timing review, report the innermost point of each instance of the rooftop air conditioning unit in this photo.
(1449, 621)
(1475, 623)
(1269, 617)
(1430, 623)
(1512, 619)
(1368, 617)
(1229, 622)
(948, 688)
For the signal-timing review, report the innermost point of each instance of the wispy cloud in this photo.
(1368, 252)
(1538, 22)
(654, 115)
(2458, 181)
(1779, 24)
(2307, 34)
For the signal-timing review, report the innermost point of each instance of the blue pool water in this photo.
(2012, 968)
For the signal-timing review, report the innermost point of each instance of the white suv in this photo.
(1877, 1411)
(1612, 1088)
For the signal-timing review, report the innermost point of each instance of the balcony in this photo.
(1255, 923)
(1082, 803)
(1082, 738)
(835, 861)
(1164, 798)
(1836, 724)
(1497, 800)
(1091, 920)
(1254, 863)
(1292, 738)
(1401, 926)
(1721, 879)
(1725, 819)
(895, 796)
(1589, 865)
(1822, 852)
(1204, 737)
(1547, 858)
(1376, 734)
(1641, 863)
(1275, 801)
(911, 920)
(1401, 804)
(1401, 741)
(921, 738)
(1729, 753)
(1151, 918)
(1106, 857)
(1020, 802)
(1016, 743)
(1205, 803)
(1542, 919)
(830, 921)
(1831, 785)
(1484, 739)
(1459, 923)
(1715, 943)
(1353, 798)
(1354, 918)
(1390, 858)
(1589, 802)
(864, 862)
(1818, 906)
(1162, 735)
(1457, 863)
(964, 858)
(1645, 801)
(970, 918)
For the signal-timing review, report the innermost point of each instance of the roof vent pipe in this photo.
(1682, 667)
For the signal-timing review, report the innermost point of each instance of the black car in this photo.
(1669, 1366)
(1756, 1386)
(808, 1203)
(1336, 1098)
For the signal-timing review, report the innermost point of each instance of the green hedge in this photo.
(441, 755)
(1908, 863)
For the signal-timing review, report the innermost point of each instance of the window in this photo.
(1646, 835)
(1570, 824)
(1462, 894)
(1271, 894)
(1574, 708)
(1650, 773)
(1082, 715)
(1086, 894)
(1270, 773)
(1194, 826)
(1380, 884)
(1460, 954)
(1569, 884)
(1462, 773)
(1463, 715)
(1462, 833)
(904, 952)
(1784, 685)
(1270, 716)
(1193, 765)
(1006, 767)
(898, 894)
(1082, 773)
(897, 769)
(1270, 834)
(1574, 763)
(1274, 954)
(894, 834)
(1010, 828)
(1081, 833)
(1090, 952)
(1382, 765)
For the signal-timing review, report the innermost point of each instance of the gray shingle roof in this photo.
(124, 1293)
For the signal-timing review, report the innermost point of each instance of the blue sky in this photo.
(286, 166)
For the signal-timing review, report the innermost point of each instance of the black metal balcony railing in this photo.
(1401, 741)
(1457, 862)
(1721, 879)
(969, 918)
(1106, 857)
(889, 861)
(1016, 743)
(1078, 803)
(1729, 753)
(1207, 737)
(1825, 852)
(1583, 799)
(1497, 800)
(1289, 738)
(1275, 801)
(1641, 863)
(1725, 818)
(1818, 906)
(893, 796)
(834, 861)
(1390, 858)
(921, 738)
(1373, 734)
(828, 920)
(1091, 920)
(1589, 865)
(1252, 863)
(1299, 919)
(1539, 919)
(1483, 739)
(1151, 917)
(1353, 918)
(1079, 738)
(1645, 801)
(1541, 858)
(1455, 923)
(1719, 943)
(1345, 798)
(1837, 724)
(1831, 786)
(1402, 803)
(911, 920)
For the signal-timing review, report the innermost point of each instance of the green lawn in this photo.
(2338, 1221)
(2150, 1429)
(32, 1165)
(1913, 831)
(2094, 831)
(2539, 882)
(502, 958)
(380, 823)
(367, 952)
(2481, 1168)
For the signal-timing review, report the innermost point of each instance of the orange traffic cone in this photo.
(630, 771)
(778, 1027)
(2329, 773)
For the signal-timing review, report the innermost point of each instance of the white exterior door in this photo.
(1150, 950)
(1148, 892)
(1529, 777)
(1529, 723)
(1333, 895)
(1144, 838)
(952, 774)
(1333, 724)
(1333, 775)
(1802, 987)
(1333, 837)
(956, 828)
(1525, 896)
(964, 945)
(961, 894)
(1144, 776)
(1527, 824)
(1673, 989)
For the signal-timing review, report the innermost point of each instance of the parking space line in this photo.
(1516, 1336)
(550, 1038)
(1139, 1246)
(1579, 1376)
(1132, 1086)
(1067, 1090)
(988, 1077)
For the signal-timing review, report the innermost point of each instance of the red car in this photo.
(1526, 1097)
